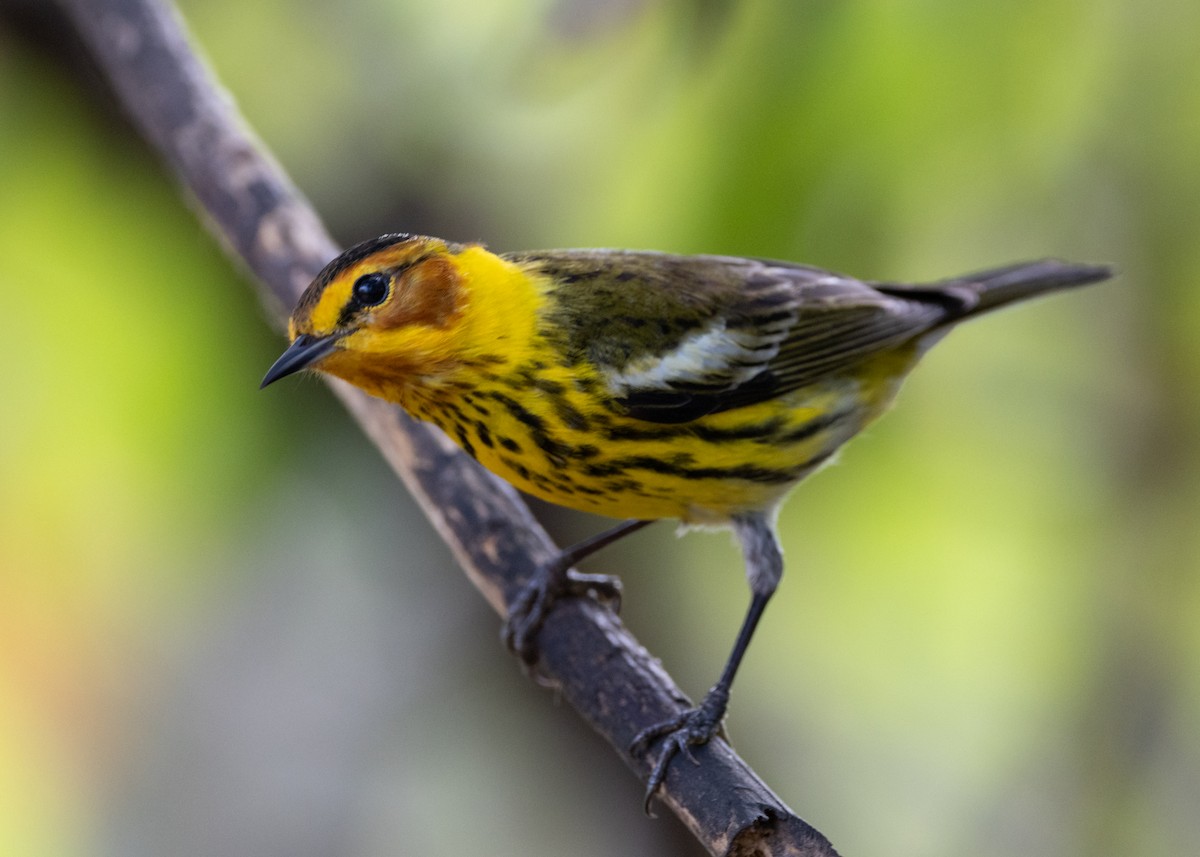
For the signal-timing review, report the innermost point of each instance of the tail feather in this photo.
(982, 291)
(1000, 286)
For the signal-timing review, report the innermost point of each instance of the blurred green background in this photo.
(225, 629)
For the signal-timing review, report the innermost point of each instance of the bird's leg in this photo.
(764, 567)
(557, 579)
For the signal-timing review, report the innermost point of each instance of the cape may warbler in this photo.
(637, 385)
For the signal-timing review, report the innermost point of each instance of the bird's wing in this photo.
(678, 337)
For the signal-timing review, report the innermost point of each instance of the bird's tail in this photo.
(972, 294)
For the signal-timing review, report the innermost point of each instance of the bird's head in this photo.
(383, 313)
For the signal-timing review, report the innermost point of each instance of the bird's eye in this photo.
(371, 289)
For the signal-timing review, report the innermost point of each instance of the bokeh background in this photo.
(225, 628)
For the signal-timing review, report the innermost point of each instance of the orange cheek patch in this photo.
(428, 294)
(349, 366)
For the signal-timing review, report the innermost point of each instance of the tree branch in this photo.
(265, 222)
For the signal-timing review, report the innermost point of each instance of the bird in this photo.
(637, 385)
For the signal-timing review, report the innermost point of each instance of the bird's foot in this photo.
(558, 579)
(537, 597)
(679, 734)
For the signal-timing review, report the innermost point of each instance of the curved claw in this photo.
(525, 617)
(642, 741)
(674, 743)
(557, 578)
(679, 734)
(533, 603)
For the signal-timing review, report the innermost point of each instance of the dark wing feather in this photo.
(827, 340)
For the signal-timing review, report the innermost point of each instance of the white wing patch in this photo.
(716, 357)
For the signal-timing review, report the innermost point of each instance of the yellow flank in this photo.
(564, 449)
(629, 384)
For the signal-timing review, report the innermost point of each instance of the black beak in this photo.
(304, 351)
